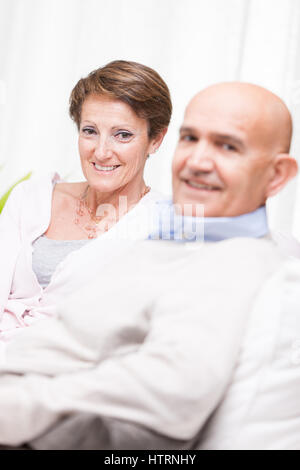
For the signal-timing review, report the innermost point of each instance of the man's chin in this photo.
(189, 209)
(196, 209)
(205, 204)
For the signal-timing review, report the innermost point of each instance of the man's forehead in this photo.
(215, 124)
(228, 107)
(255, 111)
(207, 114)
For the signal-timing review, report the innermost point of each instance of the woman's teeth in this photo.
(105, 168)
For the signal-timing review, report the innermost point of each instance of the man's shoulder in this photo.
(246, 247)
(234, 257)
(237, 263)
(232, 247)
(286, 243)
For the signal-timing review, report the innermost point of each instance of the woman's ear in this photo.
(156, 141)
(285, 168)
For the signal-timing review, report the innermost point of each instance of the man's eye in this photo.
(124, 135)
(229, 147)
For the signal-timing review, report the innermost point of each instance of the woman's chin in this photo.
(103, 188)
(102, 184)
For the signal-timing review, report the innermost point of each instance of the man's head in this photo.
(233, 149)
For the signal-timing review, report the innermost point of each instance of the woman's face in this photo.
(113, 145)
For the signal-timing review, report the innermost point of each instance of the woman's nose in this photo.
(103, 149)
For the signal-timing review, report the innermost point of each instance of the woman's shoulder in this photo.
(37, 184)
(30, 197)
(31, 188)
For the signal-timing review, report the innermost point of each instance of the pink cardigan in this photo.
(25, 217)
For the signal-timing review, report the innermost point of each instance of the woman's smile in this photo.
(103, 169)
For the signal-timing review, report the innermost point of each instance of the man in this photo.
(236, 137)
(155, 352)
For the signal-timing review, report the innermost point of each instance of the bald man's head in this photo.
(233, 149)
(263, 111)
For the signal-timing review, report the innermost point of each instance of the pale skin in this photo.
(113, 146)
(233, 150)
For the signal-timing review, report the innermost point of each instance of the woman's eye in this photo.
(188, 138)
(88, 131)
(124, 135)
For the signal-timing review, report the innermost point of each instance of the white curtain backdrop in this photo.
(47, 45)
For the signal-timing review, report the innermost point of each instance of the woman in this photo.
(55, 235)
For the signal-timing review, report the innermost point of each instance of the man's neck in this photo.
(171, 226)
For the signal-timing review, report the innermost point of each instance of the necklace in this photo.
(95, 224)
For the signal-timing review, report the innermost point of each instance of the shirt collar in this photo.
(171, 226)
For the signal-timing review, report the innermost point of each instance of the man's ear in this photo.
(156, 141)
(285, 168)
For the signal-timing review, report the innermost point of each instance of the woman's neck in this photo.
(121, 199)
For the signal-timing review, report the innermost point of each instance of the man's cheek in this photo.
(175, 168)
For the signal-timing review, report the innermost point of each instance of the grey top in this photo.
(47, 254)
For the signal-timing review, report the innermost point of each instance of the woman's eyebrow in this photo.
(86, 121)
(186, 129)
(122, 126)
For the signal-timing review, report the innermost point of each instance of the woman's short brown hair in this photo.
(135, 84)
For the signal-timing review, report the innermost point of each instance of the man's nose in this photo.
(201, 158)
(103, 148)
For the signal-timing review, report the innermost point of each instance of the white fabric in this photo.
(288, 244)
(261, 406)
(156, 345)
(26, 217)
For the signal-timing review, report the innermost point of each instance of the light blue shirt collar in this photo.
(171, 226)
